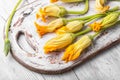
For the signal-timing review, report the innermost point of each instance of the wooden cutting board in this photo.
(27, 46)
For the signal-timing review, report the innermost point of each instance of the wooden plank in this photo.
(16, 71)
(64, 76)
(69, 76)
(104, 67)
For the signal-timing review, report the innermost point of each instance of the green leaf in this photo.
(8, 23)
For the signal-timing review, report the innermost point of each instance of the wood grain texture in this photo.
(105, 66)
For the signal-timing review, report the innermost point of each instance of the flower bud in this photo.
(59, 42)
(7, 46)
(108, 21)
(51, 10)
(51, 27)
(73, 26)
(74, 50)
(111, 18)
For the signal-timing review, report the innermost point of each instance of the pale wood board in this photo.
(105, 66)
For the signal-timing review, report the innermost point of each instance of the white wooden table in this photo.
(104, 67)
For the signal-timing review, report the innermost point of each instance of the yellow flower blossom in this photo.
(100, 6)
(109, 20)
(50, 10)
(74, 50)
(73, 26)
(51, 27)
(59, 42)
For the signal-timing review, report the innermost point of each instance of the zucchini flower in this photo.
(58, 11)
(73, 26)
(108, 21)
(66, 0)
(74, 50)
(51, 10)
(100, 6)
(58, 42)
(52, 26)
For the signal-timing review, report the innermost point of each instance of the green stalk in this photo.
(90, 16)
(88, 29)
(95, 35)
(81, 12)
(8, 23)
(84, 18)
(10, 17)
(116, 8)
(95, 17)
(118, 22)
(83, 32)
(119, 13)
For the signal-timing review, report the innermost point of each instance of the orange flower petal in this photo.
(40, 29)
(67, 53)
(96, 26)
(75, 56)
(49, 49)
(37, 16)
(52, 1)
(70, 55)
(41, 14)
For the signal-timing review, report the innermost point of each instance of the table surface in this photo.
(103, 67)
